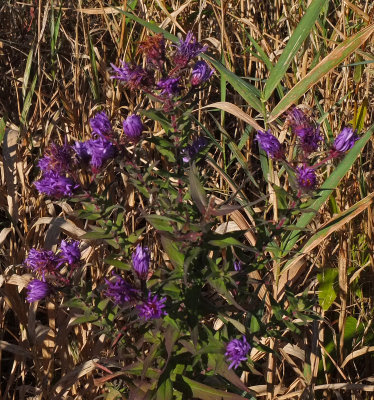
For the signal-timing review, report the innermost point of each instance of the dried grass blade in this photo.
(342, 51)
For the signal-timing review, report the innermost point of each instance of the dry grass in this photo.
(42, 355)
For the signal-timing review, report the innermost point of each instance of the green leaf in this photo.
(254, 325)
(171, 248)
(205, 392)
(327, 282)
(84, 319)
(342, 51)
(197, 190)
(225, 242)
(117, 263)
(165, 391)
(296, 40)
(99, 234)
(160, 222)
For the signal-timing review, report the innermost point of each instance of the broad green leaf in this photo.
(342, 51)
(165, 391)
(327, 283)
(160, 222)
(326, 189)
(205, 392)
(171, 248)
(197, 190)
(296, 40)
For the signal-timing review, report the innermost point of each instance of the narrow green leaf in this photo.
(27, 102)
(99, 234)
(165, 391)
(205, 392)
(171, 248)
(197, 190)
(296, 40)
(160, 222)
(342, 51)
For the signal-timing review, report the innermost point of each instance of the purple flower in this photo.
(237, 351)
(82, 151)
(134, 76)
(201, 73)
(55, 185)
(57, 159)
(186, 50)
(169, 86)
(42, 261)
(307, 131)
(37, 290)
(70, 252)
(152, 308)
(237, 265)
(100, 151)
(133, 127)
(191, 151)
(140, 261)
(100, 124)
(270, 144)
(306, 177)
(345, 140)
(120, 291)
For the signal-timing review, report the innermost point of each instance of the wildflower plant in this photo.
(181, 301)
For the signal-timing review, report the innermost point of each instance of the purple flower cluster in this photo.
(45, 263)
(237, 351)
(171, 83)
(309, 139)
(101, 125)
(56, 165)
(121, 292)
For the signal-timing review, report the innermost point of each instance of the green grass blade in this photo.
(28, 101)
(326, 189)
(299, 35)
(327, 64)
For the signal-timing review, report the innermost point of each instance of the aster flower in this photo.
(134, 76)
(100, 124)
(194, 149)
(345, 140)
(201, 73)
(70, 251)
(42, 261)
(186, 50)
(169, 86)
(133, 127)
(57, 158)
(154, 49)
(140, 261)
(152, 308)
(120, 291)
(56, 185)
(237, 265)
(37, 290)
(307, 131)
(100, 151)
(237, 351)
(306, 178)
(270, 144)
